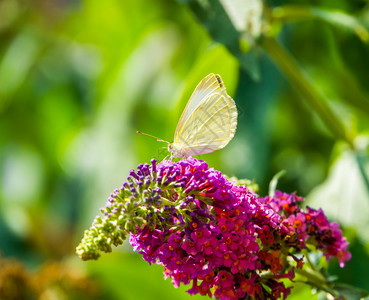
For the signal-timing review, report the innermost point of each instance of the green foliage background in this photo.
(78, 78)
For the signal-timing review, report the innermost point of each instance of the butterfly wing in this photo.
(206, 87)
(208, 122)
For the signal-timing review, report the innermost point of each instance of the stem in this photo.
(305, 87)
(316, 279)
(359, 159)
(291, 13)
(306, 253)
(166, 201)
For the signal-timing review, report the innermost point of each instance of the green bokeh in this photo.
(79, 78)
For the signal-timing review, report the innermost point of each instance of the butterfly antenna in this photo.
(159, 140)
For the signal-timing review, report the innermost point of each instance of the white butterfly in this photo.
(208, 122)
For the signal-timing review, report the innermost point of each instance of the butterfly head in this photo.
(176, 152)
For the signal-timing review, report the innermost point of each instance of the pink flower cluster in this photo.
(311, 225)
(227, 241)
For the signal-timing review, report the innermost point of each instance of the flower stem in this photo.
(166, 201)
(360, 158)
(316, 279)
(295, 75)
(306, 254)
(300, 80)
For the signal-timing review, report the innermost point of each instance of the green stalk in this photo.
(360, 158)
(303, 84)
(312, 276)
(316, 279)
(310, 263)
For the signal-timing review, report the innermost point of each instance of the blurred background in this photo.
(79, 78)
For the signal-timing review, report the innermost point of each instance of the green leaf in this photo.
(213, 16)
(345, 181)
(273, 183)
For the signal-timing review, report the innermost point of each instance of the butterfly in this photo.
(208, 122)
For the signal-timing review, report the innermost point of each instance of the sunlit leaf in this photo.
(273, 183)
(213, 16)
(344, 195)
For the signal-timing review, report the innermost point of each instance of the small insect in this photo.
(207, 123)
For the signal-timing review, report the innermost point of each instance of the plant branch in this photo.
(317, 280)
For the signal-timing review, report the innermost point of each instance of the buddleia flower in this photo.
(211, 232)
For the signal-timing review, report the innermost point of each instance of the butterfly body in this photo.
(208, 122)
